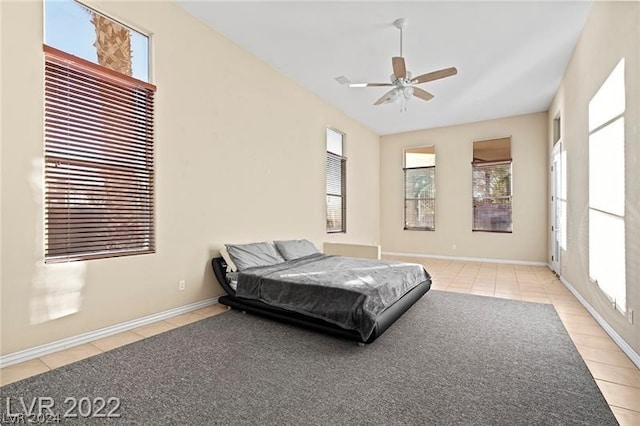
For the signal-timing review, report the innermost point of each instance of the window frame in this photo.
(476, 201)
(331, 158)
(432, 169)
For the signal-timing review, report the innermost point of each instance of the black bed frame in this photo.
(384, 320)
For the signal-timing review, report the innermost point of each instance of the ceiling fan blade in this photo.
(385, 98)
(422, 94)
(435, 75)
(369, 84)
(399, 67)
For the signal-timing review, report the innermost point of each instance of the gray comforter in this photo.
(341, 290)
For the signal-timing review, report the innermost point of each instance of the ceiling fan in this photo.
(404, 85)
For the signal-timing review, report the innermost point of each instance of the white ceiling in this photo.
(510, 55)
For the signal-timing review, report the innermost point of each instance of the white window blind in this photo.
(419, 199)
(492, 197)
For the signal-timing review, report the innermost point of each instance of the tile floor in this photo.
(617, 377)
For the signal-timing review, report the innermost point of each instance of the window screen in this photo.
(491, 182)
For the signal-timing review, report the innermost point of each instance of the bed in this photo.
(291, 281)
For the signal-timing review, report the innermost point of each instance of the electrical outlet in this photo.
(630, 315)
(181, 285)
(454, 247)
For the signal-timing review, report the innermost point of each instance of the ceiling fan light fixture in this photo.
(404, 94)
(358, 85)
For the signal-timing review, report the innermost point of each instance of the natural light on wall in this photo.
(607, 188)
(56, 289)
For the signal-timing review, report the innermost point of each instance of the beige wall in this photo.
(240, 156)
(1, 201)
(454, 152)
(612, 31)
(353, 250)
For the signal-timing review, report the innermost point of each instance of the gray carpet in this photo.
(451, 359)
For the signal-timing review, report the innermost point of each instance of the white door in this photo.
(556, 207)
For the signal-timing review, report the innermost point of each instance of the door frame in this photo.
(556, 216)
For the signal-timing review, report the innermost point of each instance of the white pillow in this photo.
(231, 267)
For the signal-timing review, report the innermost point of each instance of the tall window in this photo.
(607, 188)
(99, 175)
(419, 189)
(336, 183)
(492, 185)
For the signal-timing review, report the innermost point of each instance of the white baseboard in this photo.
(624, 346)
(467, 259)
(38, 351)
